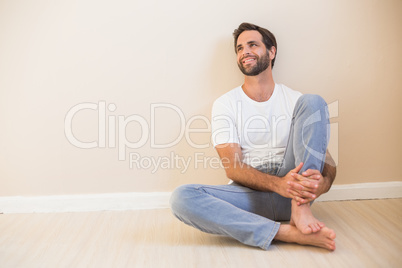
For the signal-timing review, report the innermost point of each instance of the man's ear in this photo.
(272, 52)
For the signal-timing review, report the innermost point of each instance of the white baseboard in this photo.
(90, 202)
(359, 191)
(155, 200)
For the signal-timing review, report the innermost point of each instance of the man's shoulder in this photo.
(288, 92)
(288, 96)
(229, 96)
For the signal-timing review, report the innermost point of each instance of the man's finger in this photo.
(302, 177)
(298, 168)
(313, 178)
(311, 185)
(293, 193)
(308, 195)
(301, 201)
(298, 176)
(301, 194)
(300, 186)
(310, 172)
(303, 186)
(306, 182)
(295, 186)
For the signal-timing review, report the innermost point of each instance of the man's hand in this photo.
(283, 187)
(307, 186)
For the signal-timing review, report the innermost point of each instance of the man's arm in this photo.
(236, 170)
(313, 182)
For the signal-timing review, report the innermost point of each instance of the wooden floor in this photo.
(369, 234)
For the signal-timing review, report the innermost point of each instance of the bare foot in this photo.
(304, 220)
(325, 238)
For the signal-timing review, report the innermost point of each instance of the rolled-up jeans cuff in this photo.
(271, 236)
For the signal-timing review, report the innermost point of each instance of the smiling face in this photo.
(252, 55)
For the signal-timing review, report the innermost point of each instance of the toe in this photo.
(332, 235)
(315, 227)
(307, 230)
(331, 245)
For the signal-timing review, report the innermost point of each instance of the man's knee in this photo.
(312, 100)
(310, 103)
(182, 198)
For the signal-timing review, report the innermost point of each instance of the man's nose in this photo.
(245, 55)
(246, 52)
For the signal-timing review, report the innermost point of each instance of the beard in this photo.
(262, 64)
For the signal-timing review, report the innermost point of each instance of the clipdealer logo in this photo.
(112, 134)
(147, 129)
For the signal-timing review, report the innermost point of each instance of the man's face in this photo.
(252, 56)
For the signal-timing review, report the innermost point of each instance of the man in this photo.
(273, 142)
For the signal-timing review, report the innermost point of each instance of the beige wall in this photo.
(56, 55)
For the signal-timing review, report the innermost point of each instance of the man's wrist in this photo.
(277, 185)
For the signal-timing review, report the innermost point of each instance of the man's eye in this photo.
(240, 48)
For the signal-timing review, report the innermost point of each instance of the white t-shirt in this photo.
(260, 128)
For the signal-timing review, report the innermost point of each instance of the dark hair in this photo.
(267, 37)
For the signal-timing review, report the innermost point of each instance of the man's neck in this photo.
(259, 87)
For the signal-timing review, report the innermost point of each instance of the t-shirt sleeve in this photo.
(223, 124)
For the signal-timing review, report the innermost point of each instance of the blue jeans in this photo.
(249, 216)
